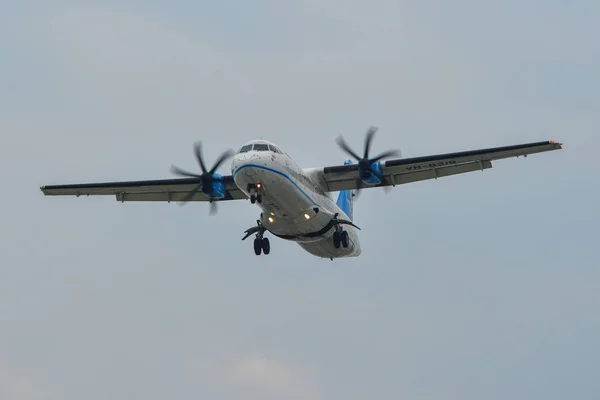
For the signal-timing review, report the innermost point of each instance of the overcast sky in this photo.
(484, 285)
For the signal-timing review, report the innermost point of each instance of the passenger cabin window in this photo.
(246, 148)
(261, 147)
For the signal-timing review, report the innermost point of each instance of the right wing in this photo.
(155, 190)
(406, 170)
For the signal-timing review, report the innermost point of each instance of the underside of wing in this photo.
(152, 190)
(406, 170)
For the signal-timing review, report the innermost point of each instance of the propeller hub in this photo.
(365, 168)
(364, 164)
(207, 180)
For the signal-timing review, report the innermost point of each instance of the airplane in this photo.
(296, 203)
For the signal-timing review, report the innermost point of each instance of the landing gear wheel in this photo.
(257, 246)
(336, 239)
(344, 238)
(253, 198)
(266, 246)
(259, 198)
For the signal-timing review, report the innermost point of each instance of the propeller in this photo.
(365, 163)
(207, 178)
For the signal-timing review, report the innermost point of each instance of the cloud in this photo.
(17, 386)
(255, 375)
(276, 377)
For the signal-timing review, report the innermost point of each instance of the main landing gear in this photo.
(340, 237)
(261, 243)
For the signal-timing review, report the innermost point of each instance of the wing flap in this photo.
(174, 196)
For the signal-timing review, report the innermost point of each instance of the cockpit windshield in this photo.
(260, 147)
(245, 148)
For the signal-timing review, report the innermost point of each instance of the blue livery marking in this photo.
(345, 200)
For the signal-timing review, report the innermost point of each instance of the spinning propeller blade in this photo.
(365, 160)
(198, 154)
(368, 139)
(342, 143)
(213, 208)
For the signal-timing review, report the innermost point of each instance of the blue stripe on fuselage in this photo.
(278, 173)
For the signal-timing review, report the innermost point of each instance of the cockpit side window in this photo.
(261, 147)
(245, 148)
(275, 149)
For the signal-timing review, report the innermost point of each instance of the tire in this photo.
(336, 240)
(266, 246)
(252, 199)
(259, 198)
(344, 238)
(257, 246)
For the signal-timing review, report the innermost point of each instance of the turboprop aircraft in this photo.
(296, 203)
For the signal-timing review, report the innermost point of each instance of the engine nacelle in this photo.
(371, 174)
(216, 190)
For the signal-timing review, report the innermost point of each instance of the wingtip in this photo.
(556, 144)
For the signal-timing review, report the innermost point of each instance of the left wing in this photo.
(155, 190)
(406, 170)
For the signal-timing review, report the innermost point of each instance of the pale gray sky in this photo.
(476, 286)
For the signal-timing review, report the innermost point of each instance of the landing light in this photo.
(306, 216)
(271, 219)
(258, 185)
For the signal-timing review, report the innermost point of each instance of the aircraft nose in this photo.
(238, 161)
(247, 160)
(243, 159)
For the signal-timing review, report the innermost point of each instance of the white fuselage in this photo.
(293, 205)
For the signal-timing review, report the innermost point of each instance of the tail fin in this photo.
(345, 200)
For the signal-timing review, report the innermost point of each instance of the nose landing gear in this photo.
(256, 198)
(255, 195)
(261, 243)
